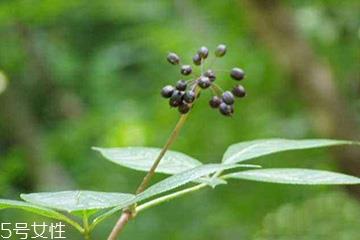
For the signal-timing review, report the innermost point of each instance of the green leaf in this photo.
(213, 182)
(252, 149)
(12, 204)
(142, 158)
(180, 179)
(104, 216)
(31, 208)
(295, 176)
(73, 201)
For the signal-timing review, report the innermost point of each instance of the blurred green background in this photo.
(76, 74)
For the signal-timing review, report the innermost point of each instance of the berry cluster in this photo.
(184, 93)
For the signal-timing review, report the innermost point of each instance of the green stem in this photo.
(131, 211)
(86, 231)
(74, 224)
(145, 182)
(166, 198)
(217, 87)
(127, 215)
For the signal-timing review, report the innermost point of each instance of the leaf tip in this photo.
(96, 149)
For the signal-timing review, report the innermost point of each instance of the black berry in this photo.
(228, 98)
(225, 109)
(215, 101)
(203, 52)
(220, 50)
(181, 85)
(237, 74)
(167, 91)
(239, 91)
(189, 96)
(204, 82)
(176, 98)
(197, 59)
(210, 74)
(184, 108)
(173, 58)
(185, 69)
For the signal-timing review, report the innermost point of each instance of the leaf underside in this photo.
(181, 179)
(252, 149)
(142, 159)
(45, 212)
(4, 204)
(73, 201)
(295, 176)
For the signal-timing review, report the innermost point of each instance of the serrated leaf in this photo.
(252, 149)
(180, 179)
(12, 204)
(72, 201)
(142, 158)
(295, 176)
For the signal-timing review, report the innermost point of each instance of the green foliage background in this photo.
(90, 73)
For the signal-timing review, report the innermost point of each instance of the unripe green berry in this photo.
(220, 50)
(203, 52)
(239, 91)
(181, 85)
(237, 74)
(167, 91)
(189, 96)
(185, 70)
(228, 98)
(214, 102)
(173, 58)
(204, 82)
(226, 110)
(196, 59)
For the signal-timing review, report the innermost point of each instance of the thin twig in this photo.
(168, 197)
(145, 182)
(123, 220)
(131, 211)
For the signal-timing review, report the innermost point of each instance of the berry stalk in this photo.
(145, 182)
(130, 213)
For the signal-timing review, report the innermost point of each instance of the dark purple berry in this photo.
(181, 85)
(237, 74)
(215, 101)
(220, 50)
(210, 74)
(173, 58)
(189, 96)
(197, 59)
(203, 52)
(176, 98)
(185, 69)
(228, 98)
(167, 91)
(204, 82)
(184, 108)
(239, 91)
(225, 109)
